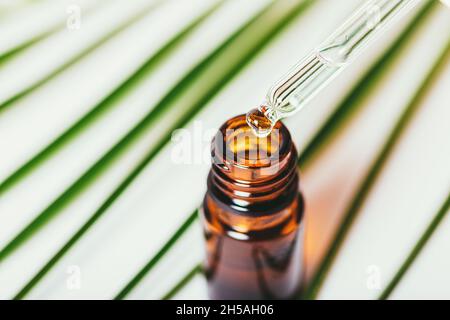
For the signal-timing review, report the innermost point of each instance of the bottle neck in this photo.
(253, 182)
(256, 198)
(281, 220)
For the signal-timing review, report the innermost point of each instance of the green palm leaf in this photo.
(370, 179)
(180, 104)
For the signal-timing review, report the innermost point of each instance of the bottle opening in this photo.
(238, 151)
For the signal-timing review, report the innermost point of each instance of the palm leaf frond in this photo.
(376, 168)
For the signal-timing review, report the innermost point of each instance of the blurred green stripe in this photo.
(155, 259)
(109, 102)
(8, 55)
(78, 57)
(209, 86)
(131, 83)
(6, 9)
(89, 176)
(185, 280)
(366, 86)
(363, 191)
(434, 224)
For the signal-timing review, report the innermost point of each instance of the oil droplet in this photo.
(259, 123)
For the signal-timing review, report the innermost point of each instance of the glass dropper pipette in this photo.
(290, 94)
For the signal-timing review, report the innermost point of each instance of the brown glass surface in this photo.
(252, 215)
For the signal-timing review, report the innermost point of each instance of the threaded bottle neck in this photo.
(250, 175)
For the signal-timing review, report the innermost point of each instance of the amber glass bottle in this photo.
(252, 215)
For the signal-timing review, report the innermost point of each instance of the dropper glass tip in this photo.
(260, 124)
